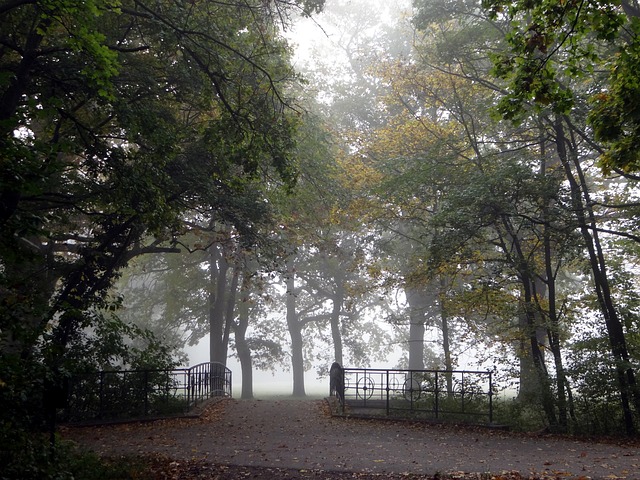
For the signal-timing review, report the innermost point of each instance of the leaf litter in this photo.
(163, 466)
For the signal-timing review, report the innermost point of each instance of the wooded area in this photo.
(454, 170)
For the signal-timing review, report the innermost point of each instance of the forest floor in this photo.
(300, 439)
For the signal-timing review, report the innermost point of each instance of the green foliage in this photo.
(518, 415)
(110, 343)
(22, 385)
(32, 457)
(119, 120)
(596, 397)
(310, 7)
(553, 49)
(615, 115)
(595, 387)
(128, 394)
(31, 390)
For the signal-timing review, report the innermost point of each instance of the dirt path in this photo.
(301, 435)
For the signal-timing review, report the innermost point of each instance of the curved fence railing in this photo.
(459, 395)
(129, 394)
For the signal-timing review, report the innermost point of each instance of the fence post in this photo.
(462, 390)
(388, 391)
(490, 396)
(344, 400)
(437, 393)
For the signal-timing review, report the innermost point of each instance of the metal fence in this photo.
(128, 394)
(457, 395)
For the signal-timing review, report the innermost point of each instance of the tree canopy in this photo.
(466, 173)
(554, 46)
(122, 123)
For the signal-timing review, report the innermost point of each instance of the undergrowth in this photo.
(32, 457)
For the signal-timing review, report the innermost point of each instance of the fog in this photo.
(386, 130)
(265, 384)
(430, 185)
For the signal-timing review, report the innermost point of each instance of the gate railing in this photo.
(127, 394)
(456, 395)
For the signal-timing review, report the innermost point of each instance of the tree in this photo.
(64, 178)
(553, 47)
(438, 123)
(118, 120)
(550, 49)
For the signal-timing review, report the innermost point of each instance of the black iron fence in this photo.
(128, 394)
(459, 395)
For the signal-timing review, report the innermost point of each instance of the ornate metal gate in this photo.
(455, 395)
(128, 394)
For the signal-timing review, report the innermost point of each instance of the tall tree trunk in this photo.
(529, 382)
(553, 328)
(417, 320)
(448, 361)
(295, 332)
(446, 335)
(230, 310)
(336, 335)
(218, 268)
(242, 346)
(582, 205)
(529, 317)
(544, 382)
